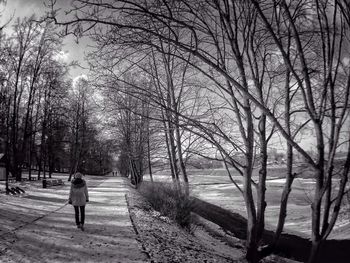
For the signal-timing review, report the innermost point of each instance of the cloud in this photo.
(77, 78)
(62, 56)
(26, 8)
(20, 9)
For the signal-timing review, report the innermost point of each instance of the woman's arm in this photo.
(86, 193)
(70, 194)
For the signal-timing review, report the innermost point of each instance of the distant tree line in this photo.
(45, 120)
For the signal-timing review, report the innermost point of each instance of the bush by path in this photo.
(165, 241)
(169, 201)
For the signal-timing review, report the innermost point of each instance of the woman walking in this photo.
(78, 196)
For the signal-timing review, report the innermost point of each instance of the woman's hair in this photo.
(78, 175)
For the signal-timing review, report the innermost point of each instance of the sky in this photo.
(72, 51)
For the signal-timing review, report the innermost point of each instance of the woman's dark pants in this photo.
(82, 214)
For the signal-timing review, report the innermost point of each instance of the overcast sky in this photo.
(23, 8)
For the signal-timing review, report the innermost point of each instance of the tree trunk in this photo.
(167, 141)
(285, 195)
(252, 242)
(261, 203)
(289, 165)
(315, 248)
(30, 158)
(42, 148)
(172, 147)
(7, 146)
(39, 164)
(181, 161)
(149, 157)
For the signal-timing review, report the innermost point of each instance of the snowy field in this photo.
(214, 186)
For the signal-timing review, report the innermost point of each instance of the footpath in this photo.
(40, 227)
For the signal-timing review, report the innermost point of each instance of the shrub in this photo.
(168, 201)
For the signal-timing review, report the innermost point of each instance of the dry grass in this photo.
(169, 201)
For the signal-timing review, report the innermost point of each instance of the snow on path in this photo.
(50, 235)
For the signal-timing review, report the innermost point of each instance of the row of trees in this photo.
(223, 79)
(45, 122)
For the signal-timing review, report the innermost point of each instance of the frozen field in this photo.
(215, 187)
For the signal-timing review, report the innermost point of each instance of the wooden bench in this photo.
(12, 180)
(60, 182)
(52, 182)
(32, 178)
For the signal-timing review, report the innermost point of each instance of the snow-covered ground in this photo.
(165, 241)
(39, 226)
